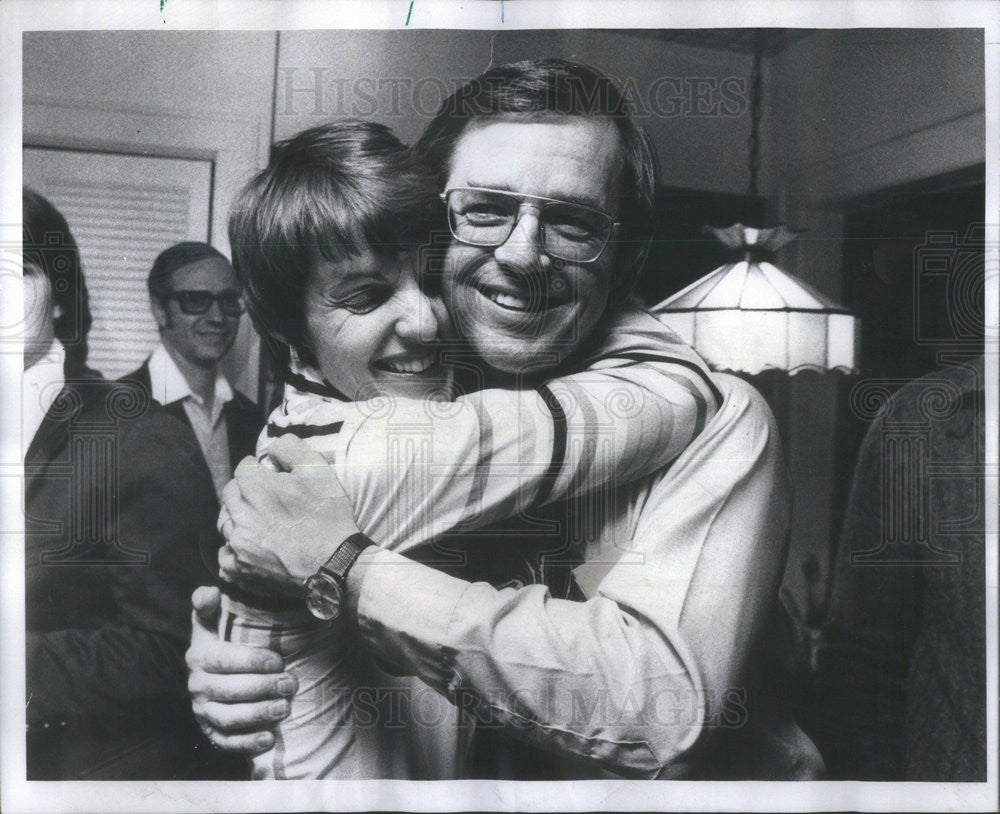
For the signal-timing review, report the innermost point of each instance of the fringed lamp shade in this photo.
(749, 315)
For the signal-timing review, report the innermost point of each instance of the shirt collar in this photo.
(168, 384)
(307, 379)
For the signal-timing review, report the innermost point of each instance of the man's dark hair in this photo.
(49, 244)
(329, 192)
(177, 256)
(543, 88)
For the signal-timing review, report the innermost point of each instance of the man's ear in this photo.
(627, 274)
(160, 312)
(640, 257)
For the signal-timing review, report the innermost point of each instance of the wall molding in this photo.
(893, 161)
(237, 145)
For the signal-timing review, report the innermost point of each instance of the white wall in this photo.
(174, 94)
(356, 73)
(852, 112)
(856, 111)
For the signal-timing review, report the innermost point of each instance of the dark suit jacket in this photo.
(244, 420)
(116, 498)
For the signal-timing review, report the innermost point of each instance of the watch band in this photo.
(346, 555)
(326, 588)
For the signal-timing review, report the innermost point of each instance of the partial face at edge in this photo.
(519, 308)
(39, 316)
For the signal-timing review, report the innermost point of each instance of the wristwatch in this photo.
(325, 589)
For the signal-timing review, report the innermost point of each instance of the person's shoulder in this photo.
(634, 334)
(312, 417)
(934, 396)
(245, 403)
(244, 415)
(742, 407)
(636, 318)
(140, 374)
(740, 394)
(142, 421)
(93, 401)
(145, 436)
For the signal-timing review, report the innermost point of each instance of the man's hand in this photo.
(238, 693)
(281, 526)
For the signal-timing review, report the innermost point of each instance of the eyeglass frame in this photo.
(522, 197)
(214, 299)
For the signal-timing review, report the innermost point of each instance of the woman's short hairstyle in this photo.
(330, 192)
(177, 256)
(49, 244)
(542, 88)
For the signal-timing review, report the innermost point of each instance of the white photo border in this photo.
(18, 795)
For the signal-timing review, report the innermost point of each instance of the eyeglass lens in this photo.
(199, 302)
(569, 231)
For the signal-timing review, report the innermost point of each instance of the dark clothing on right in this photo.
(901, 681)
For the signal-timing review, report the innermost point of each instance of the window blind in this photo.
(123, 211)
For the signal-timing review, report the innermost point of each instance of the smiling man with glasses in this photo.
(532, 267)
(195, 299)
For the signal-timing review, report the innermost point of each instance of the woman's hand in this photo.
(281, 526)
(238, 693)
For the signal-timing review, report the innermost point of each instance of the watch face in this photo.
(324, 597)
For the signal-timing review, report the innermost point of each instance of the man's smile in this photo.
(519, 299)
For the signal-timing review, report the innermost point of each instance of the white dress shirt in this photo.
(169, 385)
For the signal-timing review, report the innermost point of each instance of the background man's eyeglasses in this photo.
(487, 218)
(195, 303)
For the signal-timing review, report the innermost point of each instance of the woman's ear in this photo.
(57, 312)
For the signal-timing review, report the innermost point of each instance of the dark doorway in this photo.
(914, 272)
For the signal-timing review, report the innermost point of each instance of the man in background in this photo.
(195, 299)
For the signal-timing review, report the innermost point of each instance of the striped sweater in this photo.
(415, 469)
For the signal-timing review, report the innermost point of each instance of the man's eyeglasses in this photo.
(195, 303)
(568, 231)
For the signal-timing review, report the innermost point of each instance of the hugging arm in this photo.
(634, 677)
(414, 470)
(642, 399)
